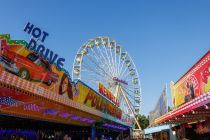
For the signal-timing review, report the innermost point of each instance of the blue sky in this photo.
(165, 38)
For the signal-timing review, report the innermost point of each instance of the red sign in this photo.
(108, 94)
(194, 83)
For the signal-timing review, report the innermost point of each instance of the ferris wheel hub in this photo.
(120, 81)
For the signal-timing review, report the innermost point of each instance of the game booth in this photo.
(190, 117)
(39, 99)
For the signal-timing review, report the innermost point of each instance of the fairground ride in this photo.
(103, 61)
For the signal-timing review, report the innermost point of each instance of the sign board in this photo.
(23, 68)
(91, 98)
(18, 60)
(193, 84)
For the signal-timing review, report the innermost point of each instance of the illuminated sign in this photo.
(36, 45)
(114, 126)
(193, 84)
(23, 69)
(108, 94)
(120, 81)
(102, 104)
(94, 100)
(21, 62)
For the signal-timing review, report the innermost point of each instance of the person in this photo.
(22, 138)
(4, 137)
(102, 137)
(66, 137)
(192, 94)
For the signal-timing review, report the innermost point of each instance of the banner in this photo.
(18, 60)
(91, 98)
(26, 70)
(160, 108)
(193, 84)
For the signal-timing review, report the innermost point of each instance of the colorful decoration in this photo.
(194, 83)
(108, 94)
(114, 126)
(36, 45)
(92, 99)
(46, 91)
(8, 101)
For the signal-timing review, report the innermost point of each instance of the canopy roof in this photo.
(194, 110)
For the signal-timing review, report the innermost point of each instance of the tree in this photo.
(169, 109)
(143, 121)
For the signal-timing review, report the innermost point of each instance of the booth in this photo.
(190, 116)
(32, 88)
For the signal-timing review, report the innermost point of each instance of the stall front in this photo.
(191, 103)
(31, 87)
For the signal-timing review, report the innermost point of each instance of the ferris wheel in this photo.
(102, 60)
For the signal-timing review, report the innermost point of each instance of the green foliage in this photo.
(169, 109)
(143, 121)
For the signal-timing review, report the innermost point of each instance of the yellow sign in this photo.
(94, 100)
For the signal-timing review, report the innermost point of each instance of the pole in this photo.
(93, 131)
(126, 100)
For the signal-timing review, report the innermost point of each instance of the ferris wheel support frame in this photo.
(126, 100)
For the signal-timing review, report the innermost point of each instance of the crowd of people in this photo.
(20, 134)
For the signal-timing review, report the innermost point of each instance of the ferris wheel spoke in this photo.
(95, 71)
(96, 76)
(122, 64)
(108, 57)
(96, 56)
(115, 61)
(122, 74)
(104, 56)
(102, 62)
(129, 96)
(129, 101)
(105, 59)
(119, 63)
(99, 67)
(112, 59)
(125, 76)
(133, 102)
(129, 89)
(99, 77)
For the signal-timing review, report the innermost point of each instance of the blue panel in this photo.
(156, 129)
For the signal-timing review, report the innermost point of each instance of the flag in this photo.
(9, 101)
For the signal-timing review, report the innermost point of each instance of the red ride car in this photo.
(30, 67)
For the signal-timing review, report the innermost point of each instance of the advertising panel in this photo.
(18, 60)
(193, 84)
(25, 69)
(94, 100)
(14, 101)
